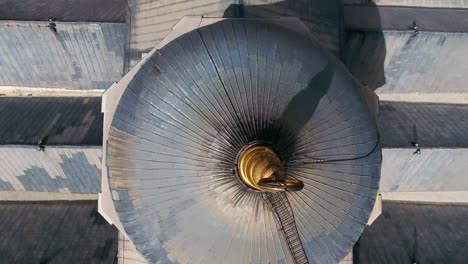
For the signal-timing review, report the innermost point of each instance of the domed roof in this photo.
(193, 106)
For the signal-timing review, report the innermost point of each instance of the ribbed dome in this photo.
(196, 103)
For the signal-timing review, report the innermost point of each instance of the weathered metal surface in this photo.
(78, 56)
(57, 169)
(55, 232)
(150, 21)
(430, 125)
(371, 17)
(196, 102)
(399, 63)
(323, 18)
(63, 120)
(416, 3)
(127, 253)
(64, 10)
(415, 233)
(443, 170)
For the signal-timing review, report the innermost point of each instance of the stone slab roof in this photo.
(431, 125)
(63, 120)
(150, 21)
(383, 17)
(441, 170)
(419, 3)
(396, 62)
(78, 56)
(64, 10)
(55, 232)
(61, 169)
(415, 233)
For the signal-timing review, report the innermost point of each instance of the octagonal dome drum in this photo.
(196, 103)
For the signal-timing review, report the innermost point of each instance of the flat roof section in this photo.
(371, 17)
(415, 233)
(74, 56)
(63, 120)
(64, 10)
(55, 232)
(430, 125)
(149, 22)
(399, 62)
(434, 170)
(59, 169)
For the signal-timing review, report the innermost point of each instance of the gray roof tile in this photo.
(55, 232)
(64, 10)
(78, 56)
(63, 120)
(415, 233)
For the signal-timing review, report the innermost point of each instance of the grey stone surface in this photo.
(441, 170)
(396, 62)
(55, 232)
(58, 169)
(6, 186)
(371, 17)
(191, 107)
(428, 124)
(63, 120)
(78, 56)
(415, 233)
(149, 22)
(323, 18)
(417, 3)
(64, 10)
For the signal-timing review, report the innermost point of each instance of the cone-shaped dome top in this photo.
(197, 102)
